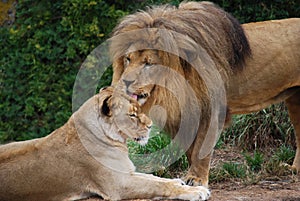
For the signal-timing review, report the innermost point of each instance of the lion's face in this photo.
(143, 72)
(138, 79)
(124, 113)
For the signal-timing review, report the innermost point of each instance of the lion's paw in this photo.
(195, 181)
(290, 168)
(196, 193)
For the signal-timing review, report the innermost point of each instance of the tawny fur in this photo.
(88, 155)
(258, 63)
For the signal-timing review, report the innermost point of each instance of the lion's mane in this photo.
(203, 24)
(217, 31)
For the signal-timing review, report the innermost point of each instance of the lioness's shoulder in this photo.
(10, 150)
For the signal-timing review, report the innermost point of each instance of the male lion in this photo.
(253, 65)
(88, 156)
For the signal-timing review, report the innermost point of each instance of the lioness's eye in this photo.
(132, 115)
(148, 64)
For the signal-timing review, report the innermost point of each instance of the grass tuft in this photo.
(160, 156)
(254, 162)
(284, 154)
(268, 128)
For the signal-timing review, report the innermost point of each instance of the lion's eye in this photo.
(127, 60)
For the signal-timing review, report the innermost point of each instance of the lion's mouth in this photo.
(141, 98)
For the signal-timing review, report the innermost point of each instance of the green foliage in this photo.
(252, 10)
(228, 170)
(255, 162)
(267, 128)
(255, 167)
(284, 154)
(159, 149)
(40, 56)
(234, 170)
(279, 163)
(243, 10)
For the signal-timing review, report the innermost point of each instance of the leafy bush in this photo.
(40, 56)
(252, 10)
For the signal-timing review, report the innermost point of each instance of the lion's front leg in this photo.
(293, 104)
(146, 186)
(198, 172)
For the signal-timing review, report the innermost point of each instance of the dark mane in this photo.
(215, 30)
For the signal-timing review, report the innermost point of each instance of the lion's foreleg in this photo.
(293, 104)
(198, 172)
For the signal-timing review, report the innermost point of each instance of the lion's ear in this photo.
(106, 107)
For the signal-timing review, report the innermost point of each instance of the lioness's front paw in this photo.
(196, 193)
(204, 193)
(179, 181)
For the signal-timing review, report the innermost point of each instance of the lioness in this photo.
(228, 67)
(88, 156)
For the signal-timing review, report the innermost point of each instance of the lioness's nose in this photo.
(128, 83)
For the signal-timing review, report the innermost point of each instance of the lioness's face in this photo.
(140, 73)
(125, 113)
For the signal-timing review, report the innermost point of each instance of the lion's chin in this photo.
(141, 140)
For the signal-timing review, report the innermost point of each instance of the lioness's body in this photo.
(88, 155)
(258, 65)
(43, 169)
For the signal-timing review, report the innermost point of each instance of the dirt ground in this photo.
(264, 190)
(271, 188)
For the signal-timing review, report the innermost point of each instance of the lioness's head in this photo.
(123, 117)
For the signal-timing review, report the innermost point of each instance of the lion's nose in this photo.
(128, 83)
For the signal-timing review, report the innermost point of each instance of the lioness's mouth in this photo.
(141, 140)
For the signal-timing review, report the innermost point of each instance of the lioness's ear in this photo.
(105, 108)
(107, 90)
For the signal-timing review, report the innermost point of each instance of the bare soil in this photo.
(268, 188)
(265, 191)
(265, 187)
